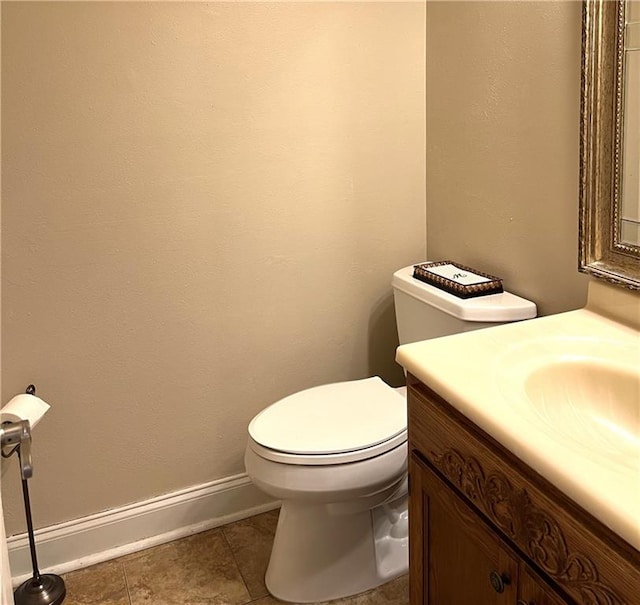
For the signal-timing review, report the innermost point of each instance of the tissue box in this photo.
(459, 280)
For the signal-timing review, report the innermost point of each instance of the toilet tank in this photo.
(424, 311)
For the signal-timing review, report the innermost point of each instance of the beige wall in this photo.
(503, 109)
(202, 208)
(202, 205)
(5, 572)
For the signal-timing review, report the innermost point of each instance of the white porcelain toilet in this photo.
(336, 456)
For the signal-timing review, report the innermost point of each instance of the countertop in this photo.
(479, 373)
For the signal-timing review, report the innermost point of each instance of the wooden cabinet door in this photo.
(455, 559)
(534, 591)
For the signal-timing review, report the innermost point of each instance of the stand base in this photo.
(49, 589)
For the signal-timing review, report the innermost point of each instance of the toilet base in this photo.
(319, 554)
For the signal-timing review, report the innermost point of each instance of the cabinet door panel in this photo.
(462, 561)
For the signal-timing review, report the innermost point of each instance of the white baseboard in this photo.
(120, 531)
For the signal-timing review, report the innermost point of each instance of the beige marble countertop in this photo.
(481, 374)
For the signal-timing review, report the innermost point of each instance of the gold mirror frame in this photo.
(602, 254)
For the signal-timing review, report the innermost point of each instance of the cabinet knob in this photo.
(498, 581)
(521, 602)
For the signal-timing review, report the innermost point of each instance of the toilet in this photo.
(336, 456)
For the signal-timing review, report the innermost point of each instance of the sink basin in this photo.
(586, 398)
(587, 391)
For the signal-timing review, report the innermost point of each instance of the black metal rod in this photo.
(32, 540)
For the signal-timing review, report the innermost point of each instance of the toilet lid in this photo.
(332, 418)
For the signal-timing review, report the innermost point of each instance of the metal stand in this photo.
(41, 589)
(47, 589)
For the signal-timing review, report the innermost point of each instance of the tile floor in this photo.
(223, 566)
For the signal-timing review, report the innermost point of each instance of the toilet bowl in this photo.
(336, 456)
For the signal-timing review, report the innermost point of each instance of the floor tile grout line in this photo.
(126, 581)
(235, 562)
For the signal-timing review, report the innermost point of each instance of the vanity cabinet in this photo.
(485, 529)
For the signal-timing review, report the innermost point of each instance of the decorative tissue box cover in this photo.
(459, 280)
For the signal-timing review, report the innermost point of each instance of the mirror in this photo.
(610, 142)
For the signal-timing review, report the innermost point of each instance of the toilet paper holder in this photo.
(17, 435)
(41, 589)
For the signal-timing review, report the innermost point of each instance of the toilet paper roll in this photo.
(24, 407)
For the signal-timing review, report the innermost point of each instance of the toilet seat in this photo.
(331, 424)
(327, 459)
